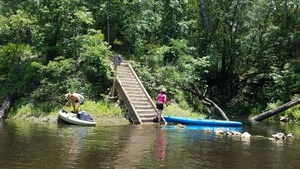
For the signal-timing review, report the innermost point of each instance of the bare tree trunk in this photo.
(206, 100)
(217, 107)
(205, 21)
(203, 15)
(277, 110)
(5, 106)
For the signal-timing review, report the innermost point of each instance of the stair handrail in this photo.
(144, 90)
(129, 102)
(142, 86)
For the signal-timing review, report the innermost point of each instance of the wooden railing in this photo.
(131, 111)
(135, 117)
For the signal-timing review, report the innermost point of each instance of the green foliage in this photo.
(94, 63)
(16, 75)
(95, 54)
(83, 75)
(141, 24)
(182, 100)
(103, 108)
(56, 79)
(177, 110)
(16, 27)
(175, 23)
(25, 110)
(58, 24)
(176, 69)
(242, 59)
(293, 113)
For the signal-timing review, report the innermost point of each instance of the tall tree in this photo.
(58, 22)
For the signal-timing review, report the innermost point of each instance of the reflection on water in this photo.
(74, 142)
(34, 146)
(160, 147)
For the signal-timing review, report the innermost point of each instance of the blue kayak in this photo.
(204, 122)
(203, 127)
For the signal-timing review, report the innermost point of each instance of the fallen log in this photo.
(5, 106)
(206, 100)
(277, 110)
(217, 107)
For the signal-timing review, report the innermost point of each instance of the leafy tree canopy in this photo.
(241, 54)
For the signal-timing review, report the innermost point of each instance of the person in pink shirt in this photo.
(161, 99)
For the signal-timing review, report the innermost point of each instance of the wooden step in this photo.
(127, 78)
(123, 67)
(125, 86)
(145, 111)
(141, 104)
(128, 82)
(148, 114)
(138, 99)
(136, 95)
(144, 106)
(133, 89)
(126, 75)
(148, 120)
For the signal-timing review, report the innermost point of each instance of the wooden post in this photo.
(117, 61)
(114, 82)
(5, 106)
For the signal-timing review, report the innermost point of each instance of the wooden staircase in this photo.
(131, 91)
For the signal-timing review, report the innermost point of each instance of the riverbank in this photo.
(100, 120)
(102, 113)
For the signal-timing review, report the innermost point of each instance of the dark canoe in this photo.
(202, 122)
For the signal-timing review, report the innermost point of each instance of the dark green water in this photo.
(41, 146)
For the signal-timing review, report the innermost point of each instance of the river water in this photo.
(24, 145)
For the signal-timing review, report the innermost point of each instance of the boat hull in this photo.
(203, 128)
(72, 118)
(203, 122)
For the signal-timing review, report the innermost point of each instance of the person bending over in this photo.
(76, 100)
